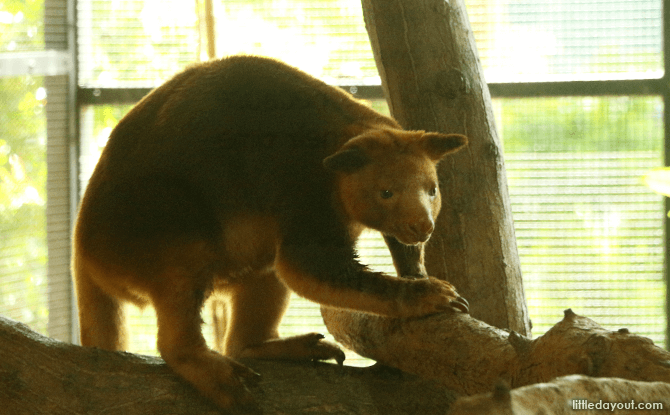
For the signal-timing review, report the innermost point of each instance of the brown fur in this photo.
(249, 178)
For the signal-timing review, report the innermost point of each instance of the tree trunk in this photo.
(426, 56)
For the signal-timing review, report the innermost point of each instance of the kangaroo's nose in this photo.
(422, 229)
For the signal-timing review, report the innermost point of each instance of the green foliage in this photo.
(589, 233)
(23, 251)
(21, 25)
(584, 124)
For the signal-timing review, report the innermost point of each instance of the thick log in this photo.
(426, 56)
(471, 357)
(39, 375)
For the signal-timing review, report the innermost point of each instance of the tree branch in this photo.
(470, 357)
(39, 375)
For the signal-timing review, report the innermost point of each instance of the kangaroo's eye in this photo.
(386, 194)
(432, 192)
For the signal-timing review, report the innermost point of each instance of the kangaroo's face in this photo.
(387, 180)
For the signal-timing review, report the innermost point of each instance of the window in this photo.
(588, 231)
(34, 167)
(579, 92)
(23, 173)
(568, 40)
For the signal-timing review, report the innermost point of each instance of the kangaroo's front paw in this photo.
(441, 296)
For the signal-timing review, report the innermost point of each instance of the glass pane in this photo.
(590, 234)
(143, 42)
(531, 40)
(23, 248)
(21, 25)
(325, 38)
(134, 43)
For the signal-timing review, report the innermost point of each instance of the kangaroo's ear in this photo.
(346, 161)
(438, 145)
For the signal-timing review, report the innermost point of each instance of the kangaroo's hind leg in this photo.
(178, 301)
(255, 309)
(101, 315)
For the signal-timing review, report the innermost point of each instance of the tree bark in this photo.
(39, 375)
(427, 59)
(471, 357)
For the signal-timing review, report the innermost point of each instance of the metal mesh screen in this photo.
(142, 42)
(590, 234)
(530, 40)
